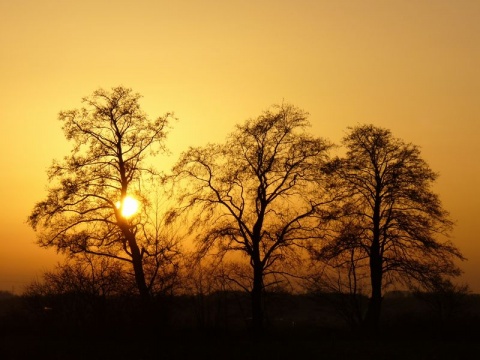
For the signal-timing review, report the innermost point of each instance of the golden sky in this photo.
(410, 66)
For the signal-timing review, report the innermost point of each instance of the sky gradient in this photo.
(409, 66)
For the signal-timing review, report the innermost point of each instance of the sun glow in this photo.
(129, 207)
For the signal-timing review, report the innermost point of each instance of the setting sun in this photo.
(130, 206)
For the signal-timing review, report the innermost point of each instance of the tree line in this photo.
(271, 207)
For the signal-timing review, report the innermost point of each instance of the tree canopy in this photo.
(257, 192)
(391, 218)
(83, 212)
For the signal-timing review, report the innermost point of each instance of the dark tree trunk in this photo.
(257, 290)
(138, 267)
(257, 299)
(372, 317)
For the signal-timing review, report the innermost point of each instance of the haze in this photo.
(410, 66)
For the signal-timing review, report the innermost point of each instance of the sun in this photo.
(130, 206)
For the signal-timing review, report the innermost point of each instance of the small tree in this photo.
(444, 298)
(257, 192)
(83, 275)
(77, 290)
(340, 281)
(84, 211)
(391, 217)
(161, 241)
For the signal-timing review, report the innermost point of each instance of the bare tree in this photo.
(444, 298)
(391, 218)
(257, 193)
(162, 237)
(340, 281)
(84, 211)
(83, 274)
(76, 292)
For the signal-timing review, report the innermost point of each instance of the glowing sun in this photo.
(129, 207)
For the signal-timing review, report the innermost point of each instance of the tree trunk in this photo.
(257, 299)
(372, 317)
(138, 267)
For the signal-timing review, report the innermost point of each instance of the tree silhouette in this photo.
(341, 281)
(391, 218)
(256, 193)
(112, 138)
(83, 274)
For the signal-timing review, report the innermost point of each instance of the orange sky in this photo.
(410, 66)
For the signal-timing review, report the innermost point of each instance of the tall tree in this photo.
(392, 219)
(87, 202)
(256, 192)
